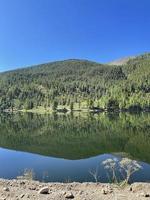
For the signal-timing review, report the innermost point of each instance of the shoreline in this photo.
(35, 190)
(66, 111)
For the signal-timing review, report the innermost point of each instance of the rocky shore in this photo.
(34, 190)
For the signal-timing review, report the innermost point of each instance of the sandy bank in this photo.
(23, 189)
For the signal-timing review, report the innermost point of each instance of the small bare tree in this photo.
(94, 174)
(110, 166)
(129, 167)
(28, 174)
(126, 167)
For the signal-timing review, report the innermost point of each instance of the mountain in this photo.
(78, 84)
(121, 61)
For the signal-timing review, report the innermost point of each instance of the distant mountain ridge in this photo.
(124, 60)
(121, 61)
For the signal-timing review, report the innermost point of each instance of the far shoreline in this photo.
(68, 111)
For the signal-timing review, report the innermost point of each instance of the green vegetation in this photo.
(77, 135)
(78, 85)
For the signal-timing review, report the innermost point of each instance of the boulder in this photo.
(44, 190)
(69, 195)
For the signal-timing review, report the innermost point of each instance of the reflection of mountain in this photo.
(77, 137)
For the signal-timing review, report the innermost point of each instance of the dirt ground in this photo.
(23, 189)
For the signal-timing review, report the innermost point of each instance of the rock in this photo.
(22, 183)
(80, 192)
(68, 187)
(22, 195)
(6, 189)
(32, 188)
(63, 193)
(44, 190)
(69, 195)
(144, 194)
(104, 191)
(147, 195)
(107, 190)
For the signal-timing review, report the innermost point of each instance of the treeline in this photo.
(78, 84)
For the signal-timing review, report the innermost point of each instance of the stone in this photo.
(6, 189)
(80, 192)
(107, 189)
(63, 193)
(69, 195)
(104, 191)
(68, 187)
(144, 194)
(32, 188)
(147, 195)
(22, 183)
(22, 195)
(44, 190)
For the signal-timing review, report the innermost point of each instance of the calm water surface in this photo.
(67, 147)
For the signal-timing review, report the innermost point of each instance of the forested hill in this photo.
(78, 84)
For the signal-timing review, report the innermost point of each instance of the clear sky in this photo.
(38, 31)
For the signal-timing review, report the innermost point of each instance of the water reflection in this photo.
(69, 146)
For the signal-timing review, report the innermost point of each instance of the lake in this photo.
(69, 147)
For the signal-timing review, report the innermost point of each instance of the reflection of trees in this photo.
(75, 137)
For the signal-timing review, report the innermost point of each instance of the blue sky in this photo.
(38, 31)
